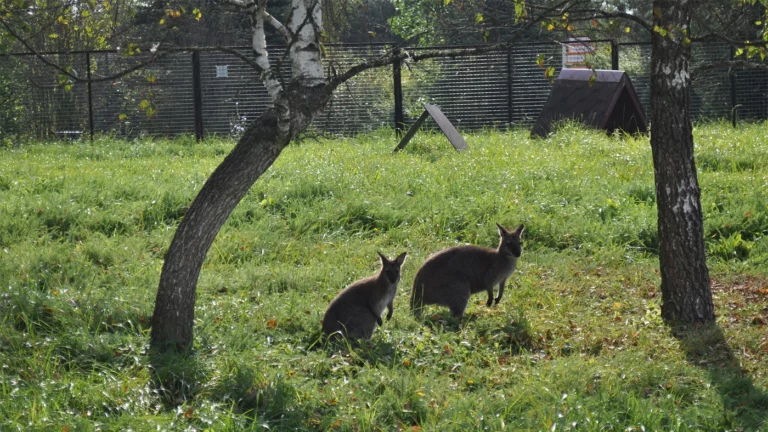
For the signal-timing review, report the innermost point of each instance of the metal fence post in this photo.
(398, 93)
(90, 92)
(734, 100)
(197, 90)
(510, 76)
(614, 55)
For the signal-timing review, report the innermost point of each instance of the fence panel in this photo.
(473, 92)
(635, 60)
(52, 106)
(530, 87)
(233, 94)
(156, 100)
(710, 90)
(496, 89)
(363, 103)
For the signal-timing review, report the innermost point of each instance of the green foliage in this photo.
(577, 342)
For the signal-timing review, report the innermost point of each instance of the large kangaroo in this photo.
(450, 276)
(359, 307)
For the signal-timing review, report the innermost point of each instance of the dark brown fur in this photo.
(451, 276)
(359, 307)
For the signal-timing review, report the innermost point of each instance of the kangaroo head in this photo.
(509, 242)
(391, 269)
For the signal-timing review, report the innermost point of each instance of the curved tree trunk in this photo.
(685, 289)
(260, 145)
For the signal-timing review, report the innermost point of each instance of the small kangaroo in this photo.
(359, 307)
(450, 276)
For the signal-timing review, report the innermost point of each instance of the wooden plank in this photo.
(412, 131)
(445, 125)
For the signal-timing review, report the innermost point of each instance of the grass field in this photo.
(577, 342)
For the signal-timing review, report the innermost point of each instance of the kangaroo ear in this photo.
(400, 259)
(502, 231)
(519, 230)
(384, 259)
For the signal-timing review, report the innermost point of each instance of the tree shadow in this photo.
(265, 399)
(745, 405)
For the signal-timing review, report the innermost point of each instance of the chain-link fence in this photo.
(207, 92)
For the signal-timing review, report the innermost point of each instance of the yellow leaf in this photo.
(627, 29)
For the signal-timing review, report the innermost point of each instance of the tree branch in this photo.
(277, 25)
(609, 15)
(69, 74)
(245, 4)
(242, 57)
(388, 59)
(729, 65)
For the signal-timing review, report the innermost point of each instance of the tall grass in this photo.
(577, 343)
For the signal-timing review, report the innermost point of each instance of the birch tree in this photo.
(294, 104)
(685, 284)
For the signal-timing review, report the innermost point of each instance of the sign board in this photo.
(576, 50)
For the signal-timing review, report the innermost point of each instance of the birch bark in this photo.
(685, 288)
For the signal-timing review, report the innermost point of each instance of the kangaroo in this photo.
(359, 307)
(451, 276)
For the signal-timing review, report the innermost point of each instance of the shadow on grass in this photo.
(176, 375)
(264, 398)
(444, 321)
(745, 406)
(515, 334)
(359, 352)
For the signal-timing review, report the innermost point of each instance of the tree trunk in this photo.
(173, 318)
(685, 289)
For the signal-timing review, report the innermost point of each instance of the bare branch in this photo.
(735, 64)
(242, 57)
(68, 73)
(604, 14)
(277, 25)
(245, 4)
(389, 58)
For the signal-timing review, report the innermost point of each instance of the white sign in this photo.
(575, 52)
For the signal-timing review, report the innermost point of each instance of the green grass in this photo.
(577, 343)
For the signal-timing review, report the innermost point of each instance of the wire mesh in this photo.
(363, 103)
(472, 92)
(750, 92)
(530, 86)
(156, 100)
(233, 94)
(710, 89)
(635, 61)
(53, 106)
